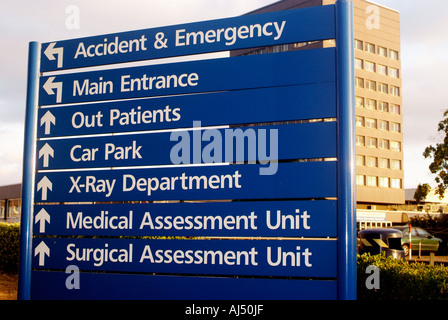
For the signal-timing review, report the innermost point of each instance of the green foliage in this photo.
(439, 155)
(9, 246)
(401, 280)
(421, 192)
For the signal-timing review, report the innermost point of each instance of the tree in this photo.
(439, 155)
(421, 192)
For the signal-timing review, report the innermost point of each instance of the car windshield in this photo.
(422, 233)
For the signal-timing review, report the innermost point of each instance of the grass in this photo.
(8, 286)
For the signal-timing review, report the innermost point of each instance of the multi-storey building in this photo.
(379, 107)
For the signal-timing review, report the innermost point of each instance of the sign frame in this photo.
(346, 196)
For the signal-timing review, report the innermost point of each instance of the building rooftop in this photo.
(11, 192)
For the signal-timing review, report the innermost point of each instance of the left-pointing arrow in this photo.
(41, 218)
(42, 250)
(46, 152)
(45, 185)
(49, 85)
(51, 51)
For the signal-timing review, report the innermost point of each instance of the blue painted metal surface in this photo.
(219, 108)
(263, 88)
(223, 146)
(292, 26)
(292, 181)
(310, 66)
(28, 172)
(220, 219)
(98, 286)
(346, 155)
(286, 258)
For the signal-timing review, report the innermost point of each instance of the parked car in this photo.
(421, 240)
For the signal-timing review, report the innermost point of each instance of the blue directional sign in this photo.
(310, 66)
(229, 108)
(180, 147)
(269, 29)
(307, 180)
(226, 219)
(288, 258)
(208, 179)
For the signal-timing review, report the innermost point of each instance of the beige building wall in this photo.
(379, 104)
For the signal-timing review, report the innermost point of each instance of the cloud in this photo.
(46, 20)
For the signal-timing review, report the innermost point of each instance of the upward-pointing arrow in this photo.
(51, 51)
(49, 85)
(44, 184)
(42, 217)
(42, 250)
(46, 152)
(47, 119)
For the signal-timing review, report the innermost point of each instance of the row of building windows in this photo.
(382, 182)
(379, 50)
(372, 104)
(384, 144)
(377, 86)
(378, 124)
(375, 162)
(378, 68)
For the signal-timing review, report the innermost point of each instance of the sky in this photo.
(424, 59)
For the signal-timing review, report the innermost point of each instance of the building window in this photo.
(383, 182)
(395, 127)
(358, 63)
(299, 44)
(360, 141)
(370, 85)
(359, 102)
(393, 54)
(360, 180)
(394, 73)
(360, 160)
(395, 183)
(395, 164)
(370, 123)
(382, 87)
(383, 163)
(371, 162)
(383, 144)
(369, 47)
(370, 104)
(395, 91)
(14, 208)
(359, 45)
(395, 146)
(381, 69)
(372, 181)
(369, 66)
(395, 109)
(359, 121)
(383, 106)
(383, 125)
(382, 51)
(359, 82)
(371, 142)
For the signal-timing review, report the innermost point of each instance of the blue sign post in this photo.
(225, 178)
